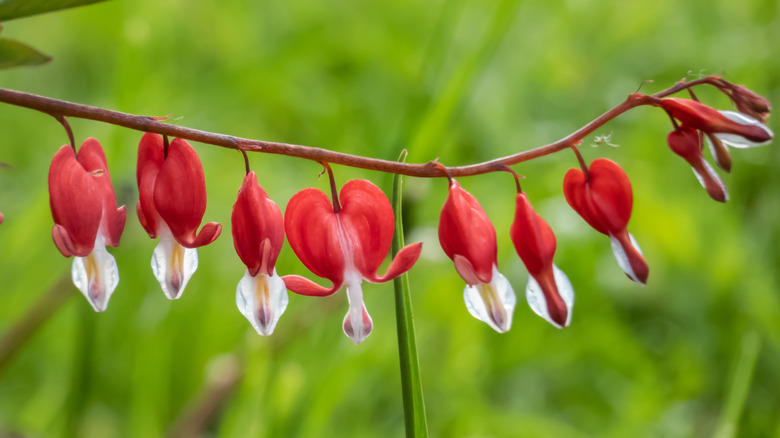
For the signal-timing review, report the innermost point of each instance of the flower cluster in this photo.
(345, 237)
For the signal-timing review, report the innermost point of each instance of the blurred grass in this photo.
(463, 81)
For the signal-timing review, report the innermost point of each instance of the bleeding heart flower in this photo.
(735, 129)
(345, 243)
(685, 142)
(172, 202)
(720, 127)
(604, 199)
(86, 219)
(549, 292)
(468, 238)
(258, 234)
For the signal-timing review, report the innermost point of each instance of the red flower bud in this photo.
(549, 292)
(604, 199)
(258, 234)
(735, 129)
(86, 218)
(468, 238)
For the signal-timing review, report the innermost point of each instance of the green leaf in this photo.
(411, 385)
(10, 9)
(16, 54)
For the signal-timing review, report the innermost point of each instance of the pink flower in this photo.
(172, 202)
(549, 292)
(604, 199)
(86, 219)
(345, 244)
(468, 238)
(258, 234)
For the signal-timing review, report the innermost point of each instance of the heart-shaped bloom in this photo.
(468, 238)
(258, 234)
(172, 192)
(346, 245)
(86, 219)
(685, 142)
(603, 197)
(720, 127)
(549, 292)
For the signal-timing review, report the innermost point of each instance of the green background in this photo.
(461, 80)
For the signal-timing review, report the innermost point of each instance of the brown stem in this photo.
(423, 170)
(68, 129)
(334, 192)
(246, 161)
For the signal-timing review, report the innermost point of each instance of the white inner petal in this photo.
(538, 303)
(96, 275)
(173, 265)
(357, 323)
(738, 141)
(262, 300)
(493, 303)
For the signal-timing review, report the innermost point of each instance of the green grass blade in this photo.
(740, 386)
(411, 385)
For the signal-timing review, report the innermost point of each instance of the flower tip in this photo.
(358, 330)
(492, 303)
(551, 297)
(629, 257)
(262, 299)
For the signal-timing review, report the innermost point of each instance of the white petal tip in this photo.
(262, 300)
(173, 265)
(493, 303)
(96, 276)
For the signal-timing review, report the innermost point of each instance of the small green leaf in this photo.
(16, 54)
(10, 9)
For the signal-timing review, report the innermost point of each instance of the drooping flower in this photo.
(603, 197)
(720, 127)
(345, 243)
(468, 238)
(172, 202)
(86, 219)
(258, 234)
(549, 292)
(685, 142)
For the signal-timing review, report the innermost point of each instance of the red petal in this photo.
(75, 202)
(304, 286)
(685, 143)
(256, 219)
(93, 159)
(62, 240)
(533, 238)
(150, 160)
(610, 193)
(605, 200)
(180, 196)
(367, 221)
(466, 230)
(314, 234)
(708, 119)
(403, 261)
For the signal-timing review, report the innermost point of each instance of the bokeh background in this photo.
(695, 353)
